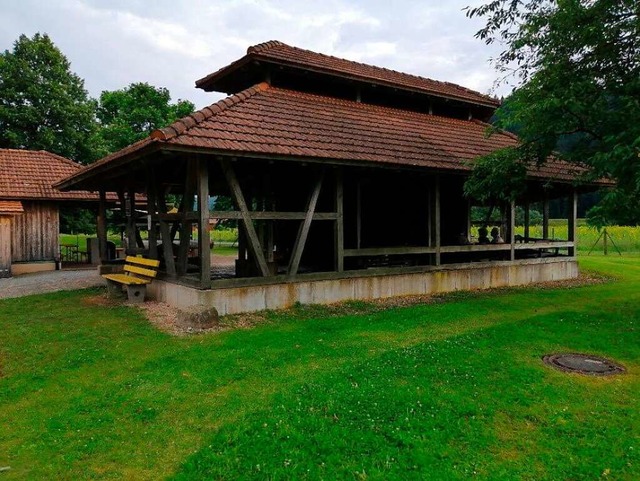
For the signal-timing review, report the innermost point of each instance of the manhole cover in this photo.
(583, 363)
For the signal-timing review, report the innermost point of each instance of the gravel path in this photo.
(50, 281)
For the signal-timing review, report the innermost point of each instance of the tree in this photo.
(578, 63)
(43, 105)
(132, 113)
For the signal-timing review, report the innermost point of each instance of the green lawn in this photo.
(450, 390)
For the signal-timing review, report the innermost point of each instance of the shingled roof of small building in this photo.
(277, 52)
(30, 175)
(265, 121)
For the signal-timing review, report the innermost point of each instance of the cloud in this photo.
(171, 43)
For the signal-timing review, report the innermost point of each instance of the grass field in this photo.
(454, 389)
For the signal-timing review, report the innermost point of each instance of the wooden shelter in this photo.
(29, 208)
(318, 155)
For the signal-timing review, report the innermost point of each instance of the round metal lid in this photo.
(583, 363)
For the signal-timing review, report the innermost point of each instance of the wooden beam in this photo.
(185, 225)
(572, 221)
(204, 229)
(545, 217)
(151, 211)
(339, 222)
(101, 222)
(358, 214)
(131, 219)
(238, 197)
(527, 220)
(272, 215)
(512, 229)
(437, 218)
(388, 251)
(303, 231)
(166, 237)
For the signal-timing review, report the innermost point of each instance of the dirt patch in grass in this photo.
(163, 316)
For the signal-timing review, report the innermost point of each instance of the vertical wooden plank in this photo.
(437, 219)
(204, 229)
(545, 218)
(185, 224)
(152, 210)
(131, 220)
(527, 221)
(339, 222)
(252, 237)
(572, 222)
(430, 241)
(512, 229)
(101, 224)
(358, 214)
(303, 232)
(165, 236)
(5, 246)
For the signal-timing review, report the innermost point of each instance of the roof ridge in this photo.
(266, 45)
(182, 125)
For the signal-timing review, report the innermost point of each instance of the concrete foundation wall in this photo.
(19, 268)
(233, 300)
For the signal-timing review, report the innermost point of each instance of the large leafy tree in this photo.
(577, 63)
(130, 114)
(43, 105)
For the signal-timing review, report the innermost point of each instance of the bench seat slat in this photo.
(126, 279)
(140, 271)
(142, 261)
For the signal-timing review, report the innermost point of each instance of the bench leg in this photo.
(136, 293)
(114, 289)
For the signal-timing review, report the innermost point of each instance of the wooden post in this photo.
(185, 223)
(204, 238)
(437, 219)
(339, 222)
(167, 238)
(102, 227)
(131, 220)
(252, 238)
(512, 229)
(572, 222)
(545, 218)
(303, 231)
(527, 220)
(152, 212)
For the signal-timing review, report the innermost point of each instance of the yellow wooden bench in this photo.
(138, 272)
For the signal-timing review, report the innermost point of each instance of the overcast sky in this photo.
(172, 43)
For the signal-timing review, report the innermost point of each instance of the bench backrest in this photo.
(141, 266)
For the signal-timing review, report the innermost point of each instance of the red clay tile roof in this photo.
(265, 121)
(30, 174)
(11, 207)
(278, 52)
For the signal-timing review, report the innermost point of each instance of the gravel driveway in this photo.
(49, 281)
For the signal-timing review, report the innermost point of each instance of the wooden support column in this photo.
(339, 222)
(185, 223)
(572, 222)
(131, 220)
(512, 229)
(252, 238)
(102, 227)
(527, 221)
(152, 211)
(303, 231)
(167, 238)
(436, 209)
(204, 229)
(545, 218)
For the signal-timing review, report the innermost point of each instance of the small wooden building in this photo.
(29, 209)
(319, 154)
